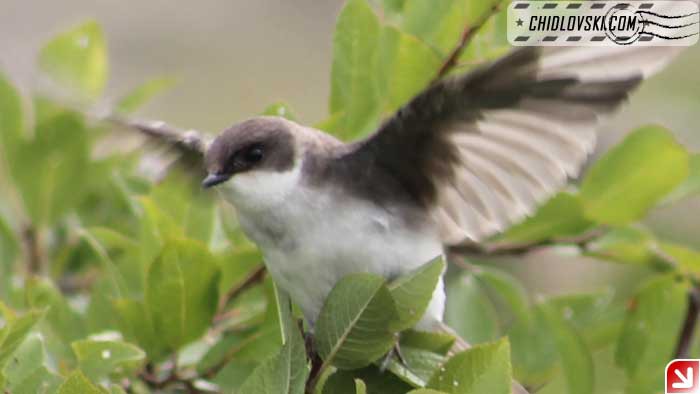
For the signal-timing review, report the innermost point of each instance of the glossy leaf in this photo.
(27, 373)
(61, 319)
(573, 352)
(136, 324)
(469, 311)
(11, 118)
(436, 342)
(561, 216)
(406, 66)
(182, 292)
(507, 288)
(77, 383)
(353, 84)
(44, 168)
(626, 245)
(286, 372)
(649, 335)
(633, 176)
(9, 247)
(14, 332)
(98, 359)
(77, 59)
(354, 327)
(412, 292)
(481, 369)
(691, 185)
(688, 259)
(343, 382)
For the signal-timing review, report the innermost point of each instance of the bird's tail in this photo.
(461, 345)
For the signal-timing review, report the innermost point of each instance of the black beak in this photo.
(214, 179)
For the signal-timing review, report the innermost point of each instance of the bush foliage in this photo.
(110, 283)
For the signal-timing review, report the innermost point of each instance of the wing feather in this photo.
(482, 150)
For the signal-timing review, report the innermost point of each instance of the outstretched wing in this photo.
(183, 147)
(484, 149)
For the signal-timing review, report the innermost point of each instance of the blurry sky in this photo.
(232, 58)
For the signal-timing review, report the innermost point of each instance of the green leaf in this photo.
(280, 109)
(481, 369)
(287, 371)
(44, 168)
(98, 359)
(436, 342)
(425, 391)
(412, 292)
(534, 351)
(360, 387)
(77, 59)
(14, 332)
(406, 66)
(561, 216)
(469, 310)
(9, 247)
(418, 365)
(354, 326)
(691, 185)
(343, 382)
(632, 245)
(573, 352)
(182, 292)
(77, 383)
(438, 23)
(61, 319)
(507, 288)
(136, 324)
(633, 176)
(688, 259)
(143, 94)
(649, 335)
(597, 316)
(11, 119)
(353, 84)
(27, 373)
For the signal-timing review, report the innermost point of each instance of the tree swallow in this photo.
(463, 160)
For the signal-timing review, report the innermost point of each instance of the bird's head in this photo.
(255, 160)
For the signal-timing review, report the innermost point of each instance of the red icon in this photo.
(683, 377)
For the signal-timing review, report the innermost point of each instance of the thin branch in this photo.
(254, 278)
(521, 248)
(689, 325)
(467, 34)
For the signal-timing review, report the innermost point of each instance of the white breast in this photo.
(311, 238)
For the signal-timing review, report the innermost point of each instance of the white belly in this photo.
(310, 242)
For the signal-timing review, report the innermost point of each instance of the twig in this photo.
(689, 325)
(33, 249)
(467, 35)
(255, 277)
(520, 248)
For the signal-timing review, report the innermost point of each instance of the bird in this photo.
(460, 162)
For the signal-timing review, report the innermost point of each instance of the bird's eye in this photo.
(253, 154)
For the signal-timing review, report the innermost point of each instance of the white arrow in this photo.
(687, 379)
